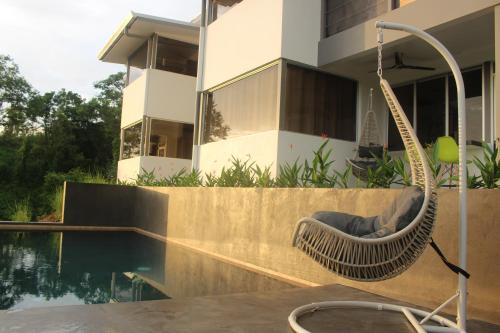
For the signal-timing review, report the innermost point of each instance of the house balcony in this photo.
(159, 94)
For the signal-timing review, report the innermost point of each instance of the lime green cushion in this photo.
(446, 150)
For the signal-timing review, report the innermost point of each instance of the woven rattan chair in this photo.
(369, 145)
(368, 259)
(376, 259)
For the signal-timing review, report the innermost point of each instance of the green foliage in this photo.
(318, 174)
(402, 170)
(342, 178)
(473, 181)
(289, 175)
(239, 174)
(263, 176)
(489, 167)
(57, 203)
(435, 166)
(384, 174)
(45, 137)
(22, 211)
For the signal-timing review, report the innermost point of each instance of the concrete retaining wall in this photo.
(115, 206)
(256, 226)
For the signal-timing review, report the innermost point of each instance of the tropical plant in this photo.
(402, 170)
(21, 211)
(474, 181)
(489, 167)
(317, 174)
(384, 174)
(57, 203)
(263, 176)
(239, 174)
(289, 175)
(435, 166)
(342, 178)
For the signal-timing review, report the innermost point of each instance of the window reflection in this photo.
(431, 99)
(177, 57)
(131, 144)
(244, 107)
(170, 139)
(137, 62)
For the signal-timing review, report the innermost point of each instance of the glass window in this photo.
(344, 14)
(404, 95)
(137, 62)
(131, 144)
(431, 97)
(318, 103)
(170, 139)
(244, 107)
(175, 56)
(220, 7)
(473, 105)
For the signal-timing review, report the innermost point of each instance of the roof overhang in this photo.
(136, 28)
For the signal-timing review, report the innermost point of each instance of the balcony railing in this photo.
(341, 15)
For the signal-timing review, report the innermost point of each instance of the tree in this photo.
(15, 93)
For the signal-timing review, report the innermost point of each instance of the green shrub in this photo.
(21, 211)
(289, 175)
(57, 203)
(489, 167)
(318, 174)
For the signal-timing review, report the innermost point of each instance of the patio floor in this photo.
(254, 312)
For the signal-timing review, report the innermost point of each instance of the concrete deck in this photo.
(254, 312)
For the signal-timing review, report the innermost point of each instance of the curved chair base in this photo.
(445, 324)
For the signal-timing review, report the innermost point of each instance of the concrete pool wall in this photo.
(255, 226)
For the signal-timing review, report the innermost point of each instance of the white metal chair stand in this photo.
(379, 259)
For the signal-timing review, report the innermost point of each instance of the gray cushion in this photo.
(396, 217)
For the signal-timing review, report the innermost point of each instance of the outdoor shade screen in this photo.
(320, 104)
(177, 57)
(244, 107)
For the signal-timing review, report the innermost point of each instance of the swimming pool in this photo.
(39, 269)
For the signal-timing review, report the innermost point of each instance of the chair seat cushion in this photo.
(396, 217)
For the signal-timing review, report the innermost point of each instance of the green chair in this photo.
(446, 152)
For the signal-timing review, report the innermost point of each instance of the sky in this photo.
(56, 42)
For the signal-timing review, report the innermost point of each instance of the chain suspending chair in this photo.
(369, 145)
(368, 259)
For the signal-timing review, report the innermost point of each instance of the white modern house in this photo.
(281, 76)
(161, 58)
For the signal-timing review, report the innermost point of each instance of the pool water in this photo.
(40, 269)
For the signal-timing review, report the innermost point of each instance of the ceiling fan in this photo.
(399, 64)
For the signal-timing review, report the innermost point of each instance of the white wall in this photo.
(159, 94)
(301, 30)
(128, 169)
(256, 32)
(164, 166)
(295, 145)
(134, 100)
(246, 37)
(171, 96)
(271, 148)
(260, 148)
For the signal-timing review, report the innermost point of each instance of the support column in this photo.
(496, 91)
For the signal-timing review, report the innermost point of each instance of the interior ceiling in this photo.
(471, 43)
